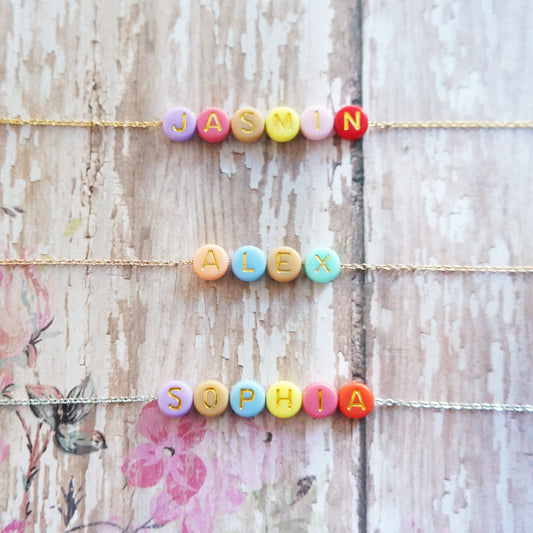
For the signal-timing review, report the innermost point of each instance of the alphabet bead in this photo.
(211, 398)
(175, 398)
(213, 124)
(283, 399)
(355, 400)
(284, 264)
(282, 124)
(247, 125)
(179, 124)
(322, 265)
(247, 398)
(210, 262)
(316, 123)
(249, 263)
(320, 400)
(351, 122)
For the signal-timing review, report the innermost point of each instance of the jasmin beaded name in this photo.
(248, 398)
(250, 263)
(282, 124)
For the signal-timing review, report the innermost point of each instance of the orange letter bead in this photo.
(247, 125)
(284, 264)
(210, 261)
(211, 398)
(355, 400)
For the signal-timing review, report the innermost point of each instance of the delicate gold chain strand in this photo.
(382, 402)
(361, 267)
(474, 124)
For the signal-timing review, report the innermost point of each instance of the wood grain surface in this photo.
(441, 197)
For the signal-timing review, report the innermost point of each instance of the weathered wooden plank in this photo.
(448, 197)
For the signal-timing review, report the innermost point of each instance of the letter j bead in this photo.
(179, 124)
(175, 398)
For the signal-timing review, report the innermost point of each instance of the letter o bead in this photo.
(282, 124)
(356, 400)
(283, 399)
(210, 262)
(320, 400)
(175, 398)
(213, 124)
(351, 122)
(249, 263)
(322, 265)
(179, 124)
(247, 125)
(284, 264)
(247, 398)
(316, 123)
(211, 398)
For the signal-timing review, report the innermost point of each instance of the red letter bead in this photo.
(213, 125)
(320, 400)
(351, 122)
(355, 400)
(210, 261)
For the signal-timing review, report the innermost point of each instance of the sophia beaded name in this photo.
(248, 398)
(282, 124)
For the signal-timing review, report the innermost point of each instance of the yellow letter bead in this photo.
(247, 125)
(284, 264)
(282, 124)
(210, 261)
(283, 399)
(211, 398)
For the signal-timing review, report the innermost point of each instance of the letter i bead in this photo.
(316, 123)
(175, 398)
(179, 124)
(320, 400)
(247, 398)
(283, 399)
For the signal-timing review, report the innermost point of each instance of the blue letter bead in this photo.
(322, 265)
(249, 263)
(247, 398)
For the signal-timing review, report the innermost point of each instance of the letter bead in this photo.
(210, 262)
(211, 398)
(351, 122)
(355, 400)
(284, 264)
(316, 123)
(179, 124)
(247, 398)
(322, 265)
(175, 398)
(213, 125)
(320, 400)
(249, 263)
(283, 399)
(247, 125)
(282, 124)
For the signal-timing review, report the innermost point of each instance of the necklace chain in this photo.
(448, 124)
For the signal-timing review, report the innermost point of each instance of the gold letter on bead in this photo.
(177, 398)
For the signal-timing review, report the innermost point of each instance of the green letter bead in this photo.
(322, 265)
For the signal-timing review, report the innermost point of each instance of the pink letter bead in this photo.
(210, 261)
(320, 400)
(179, 124)
(213, 124)
(316, 123)
(175, 398)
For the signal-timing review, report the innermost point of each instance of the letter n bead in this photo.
(322, 265)
(175, 398)
(351, 122)
(356, 400)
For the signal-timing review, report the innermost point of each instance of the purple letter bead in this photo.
(179, 124)
(175, 398)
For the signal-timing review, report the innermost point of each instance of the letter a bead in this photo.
(283, 399)
(351, 122)
(210, 262)
(355, 400)
(211, 398)
(179, 124)
(316, 123)
(284, 264)
(247, 398)
(320, 400)
(213, 125)
(175, 398)
(249, 263)
(282, 124)
(322, 265)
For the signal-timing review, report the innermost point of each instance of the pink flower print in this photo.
(16, 526)
(167, 457)
(24, 311)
